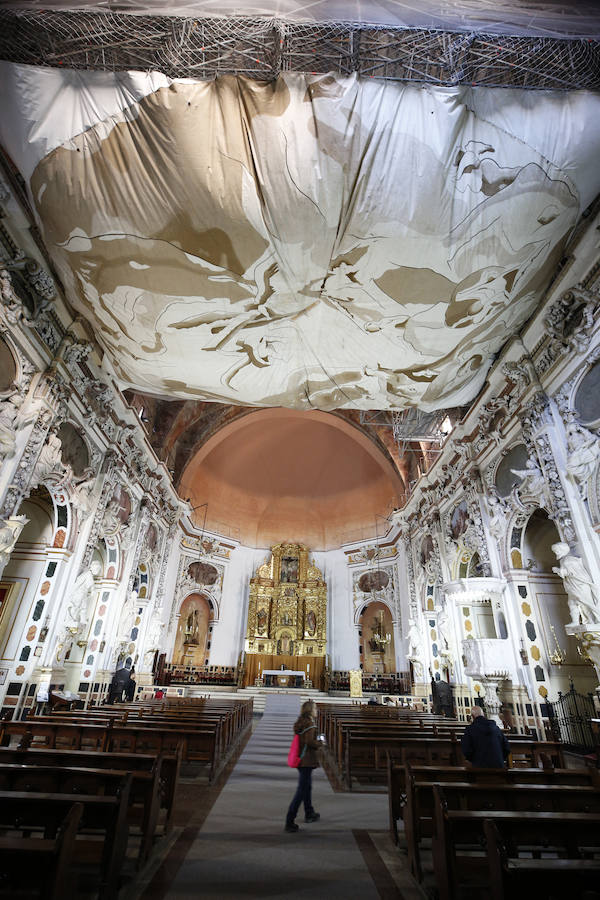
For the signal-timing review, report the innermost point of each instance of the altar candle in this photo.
(308, 667)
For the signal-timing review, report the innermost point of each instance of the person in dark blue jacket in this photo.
(483, 744)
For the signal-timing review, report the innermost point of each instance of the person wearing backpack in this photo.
(307, 760)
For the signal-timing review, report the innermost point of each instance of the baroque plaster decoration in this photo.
(370, 554)
(96, 531)
(536, 420)
(142, 526)
(22, 478)
(569, 325)
(228, 303)
(387, 593)
(207, 546)
(187, 584)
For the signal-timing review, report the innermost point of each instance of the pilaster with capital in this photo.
(539, 433)
(108, 487)
(474, 497)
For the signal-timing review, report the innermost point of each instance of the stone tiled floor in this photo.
(231, 843)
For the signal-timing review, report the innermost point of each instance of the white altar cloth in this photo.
(282, 672)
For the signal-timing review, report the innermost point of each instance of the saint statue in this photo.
(82, 497)
(584, 450)
(83, 591)
(49, 461)
(192, 628)
(128, 616)
(582, 593)
(9, 414)
(497, 519)
(446, 638)
(311, 623)
(261, 621)
(415, 643)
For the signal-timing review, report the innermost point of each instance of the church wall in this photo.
(228, 636)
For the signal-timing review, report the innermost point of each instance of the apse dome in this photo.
(279, 474)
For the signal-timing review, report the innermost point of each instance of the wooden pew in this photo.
(56, 734)
(459, 857)
(143, 804)
(206, 731)
(102, 835)
(153, 776)
(42, 863)
(511, 875)
(399, 780)
(504, 793)
(198, 745)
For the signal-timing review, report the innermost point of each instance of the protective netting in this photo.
(261, 48)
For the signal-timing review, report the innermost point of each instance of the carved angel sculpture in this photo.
(532, 481)
(582, 593)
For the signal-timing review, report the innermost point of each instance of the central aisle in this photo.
(242, 849)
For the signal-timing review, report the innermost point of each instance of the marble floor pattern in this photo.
(241, 848)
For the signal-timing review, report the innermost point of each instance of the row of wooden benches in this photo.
(65, 806)
(203, 735)
(499, 831)
(358, 743)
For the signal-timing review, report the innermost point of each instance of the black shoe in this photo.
(312, 817)
(291, 827)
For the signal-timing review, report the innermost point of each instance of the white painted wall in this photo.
(229, 632)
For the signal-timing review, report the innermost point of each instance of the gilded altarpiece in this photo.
(287, 610)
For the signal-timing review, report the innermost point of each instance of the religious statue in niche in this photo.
(289, 569)
(261, 621)
(285, 645)
(192, 628)
(311, 623)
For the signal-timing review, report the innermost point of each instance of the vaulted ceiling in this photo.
(317, 242)
(318, 245)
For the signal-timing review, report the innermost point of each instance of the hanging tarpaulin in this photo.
(318, 241)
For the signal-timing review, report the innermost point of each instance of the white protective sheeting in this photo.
(317, 242)
(533, 18)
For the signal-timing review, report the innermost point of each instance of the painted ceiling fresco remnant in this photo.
(318, 242)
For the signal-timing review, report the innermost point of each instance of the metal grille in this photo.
(261, 48)
(570, 719)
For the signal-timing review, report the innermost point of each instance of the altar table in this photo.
(282, 677)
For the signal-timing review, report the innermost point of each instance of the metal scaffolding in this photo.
(262, 48)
